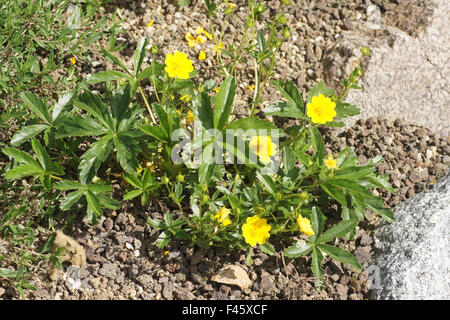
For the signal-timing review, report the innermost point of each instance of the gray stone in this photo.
(413, 252)
(407, 76)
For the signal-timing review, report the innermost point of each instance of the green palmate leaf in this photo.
(94, 105)
(20, 156)
(132, 194)
(340, 255)
(139, 55)
(133, 180)
(68, 185)
(353, 173)
(253, 123)
(291, 94)
(25, 170)
(288, 159)
(46, 182)
(377, 206)
(320, 88)
(317, 143)
(316, 263)
(126, 152)
(99, 187)
(115, 60)
(267, 182)
(344, 110)
(155, 132)
(78, 127)
(61, 104)
(380, 182)
(93, 202)
(349, 185)
(298, 251)
(334, 192)
(26, 133)
(268, 249)
(337, 231)
(93, 158)
(110, 75)
(36, 105)
(157, 224)
(203, 111)
(164, 119)
(317, 222)
(107, 201)
(163, 239)
(41, 154)
(284, 109)
(70, 199)
(224, 103)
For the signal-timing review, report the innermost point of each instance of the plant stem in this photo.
(147, 105)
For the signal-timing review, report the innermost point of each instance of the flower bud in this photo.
(154, 49)
(204, 187)
(165, 180)
(180, 178)
(365, 51)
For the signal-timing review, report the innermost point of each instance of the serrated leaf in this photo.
(93, 203)
(340, 255)
(110, 75)
(126, 152)
(68, 185)
(61, 104)
(344, 110)
(290, 92)
(284, 109)
(132, 179)
(334, 193)
(377, 206)
(320, 88)
(295, 252)
(26, 133)
(94, 105)
(25, 170)
(70, 199)
(132, 194)
(139, 55)
(93, 158)
(78, 127)
(36, 105)
(353, 173)
(349, 185)
(337, 231)
(268, 249)
(224, 102)
(20, 156)
(317, 143)
(41, 154)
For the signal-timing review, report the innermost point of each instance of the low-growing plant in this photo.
(234, 182)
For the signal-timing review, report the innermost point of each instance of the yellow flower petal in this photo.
(321, 109)
(305, 226)
(202, 55)
(150, 23)
(330, 162)
(255, 230)
(178, 65)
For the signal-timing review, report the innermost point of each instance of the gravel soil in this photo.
(123, 261)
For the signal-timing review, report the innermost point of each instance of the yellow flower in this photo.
(73, 60)
(200, 30)
(139, 170)
(178, 65)
(150, 23)
(255, 230)
(305, 226)
(202, 55)
(251, 87)
(200, 39)
(330, 162)
(220, 47)
(191, 40)
(165, 253)
(185, 98)
(189, 117)
(321, 109)
(222, 216)
(264, 147)
(231, 5)
(216, 89)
